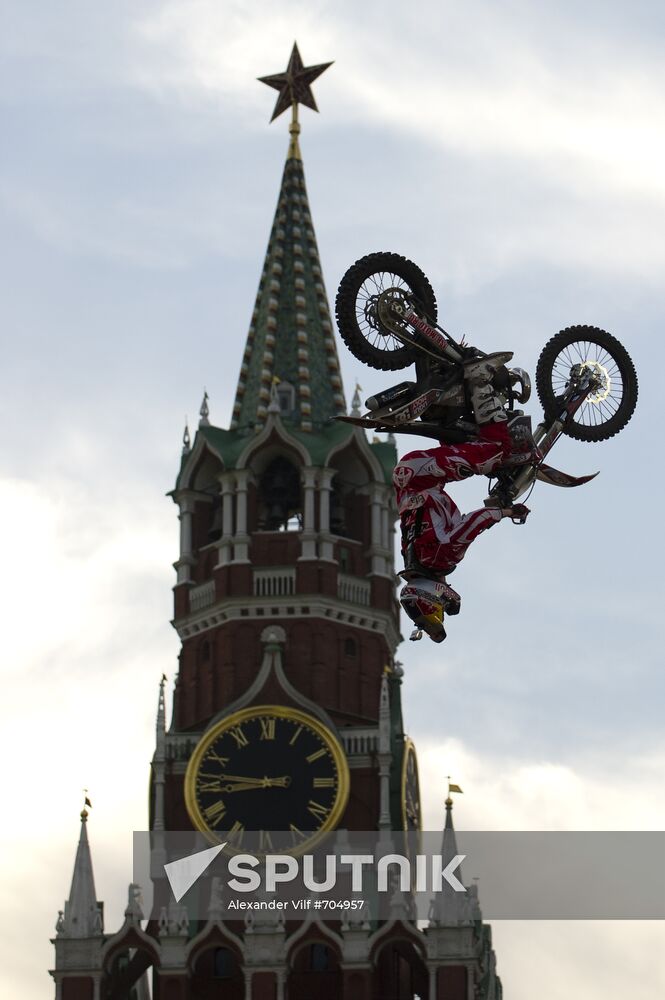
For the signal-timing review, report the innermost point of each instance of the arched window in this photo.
(349, 647)
(399, 971)
(349, 496)
(126, 974)
(337, 509)
(223, 963)
(320, 959)
(344, 559)
(280, 498)
(216, 973)
(286, 397)
(215, 519)
(315, 973)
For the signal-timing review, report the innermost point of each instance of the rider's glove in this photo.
(518, 513)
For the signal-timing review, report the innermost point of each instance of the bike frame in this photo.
(442, 341)
(510, 485)
(439, 339)
(546, 434)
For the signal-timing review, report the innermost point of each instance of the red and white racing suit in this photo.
(439, 532)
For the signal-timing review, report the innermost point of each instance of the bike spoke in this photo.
(365, 307)
(602, 406)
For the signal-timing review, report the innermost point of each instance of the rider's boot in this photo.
(424, 601)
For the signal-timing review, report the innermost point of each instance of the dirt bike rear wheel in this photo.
(605, 412)
(356, 308)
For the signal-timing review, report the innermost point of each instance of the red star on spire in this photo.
(294, 85)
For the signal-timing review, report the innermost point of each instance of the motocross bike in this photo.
(387, 316)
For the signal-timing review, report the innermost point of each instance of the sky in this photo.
(515, 151)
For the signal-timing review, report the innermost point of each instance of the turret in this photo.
(82, 916)
(450, 908)
(79, 929)
(461, 959)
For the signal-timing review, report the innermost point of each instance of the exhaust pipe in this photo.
(389, 395)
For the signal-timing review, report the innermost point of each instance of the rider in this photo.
(435, 535)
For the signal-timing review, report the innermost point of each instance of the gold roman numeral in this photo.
(265, 842)
(212, 785)
(297, 836)
(318, 811)
(236, 832)
(315, 756)
(211, 755)
(295, 736)
(214, 813)
(239, 736)
(324, 782)
(267, 729)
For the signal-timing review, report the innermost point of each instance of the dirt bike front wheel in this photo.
(367, 286)
(607, 410)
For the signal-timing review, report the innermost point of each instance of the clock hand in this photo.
(285, 780)
(240, 784)
(247, 779)
(237, 785)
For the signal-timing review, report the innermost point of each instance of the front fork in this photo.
(545, 437)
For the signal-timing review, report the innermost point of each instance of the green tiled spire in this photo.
(290, 358)
(290, 340)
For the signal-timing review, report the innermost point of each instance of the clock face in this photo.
(411, 817)
(267, 779)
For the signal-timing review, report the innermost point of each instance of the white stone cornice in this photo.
(186, 499)
(319, 606)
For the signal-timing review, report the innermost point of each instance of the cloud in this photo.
(512, 792)
(603, 959)
(482, 81)
(80, 561)
(85, 640)
(143, 229)
(556, 162)
(202, 50)
(527, 145)
(515, 153)
(597, 960)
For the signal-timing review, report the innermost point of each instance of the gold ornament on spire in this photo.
(452, 790)
(294, 86)
(86, 803)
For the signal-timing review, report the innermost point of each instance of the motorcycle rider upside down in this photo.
(435, 535)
